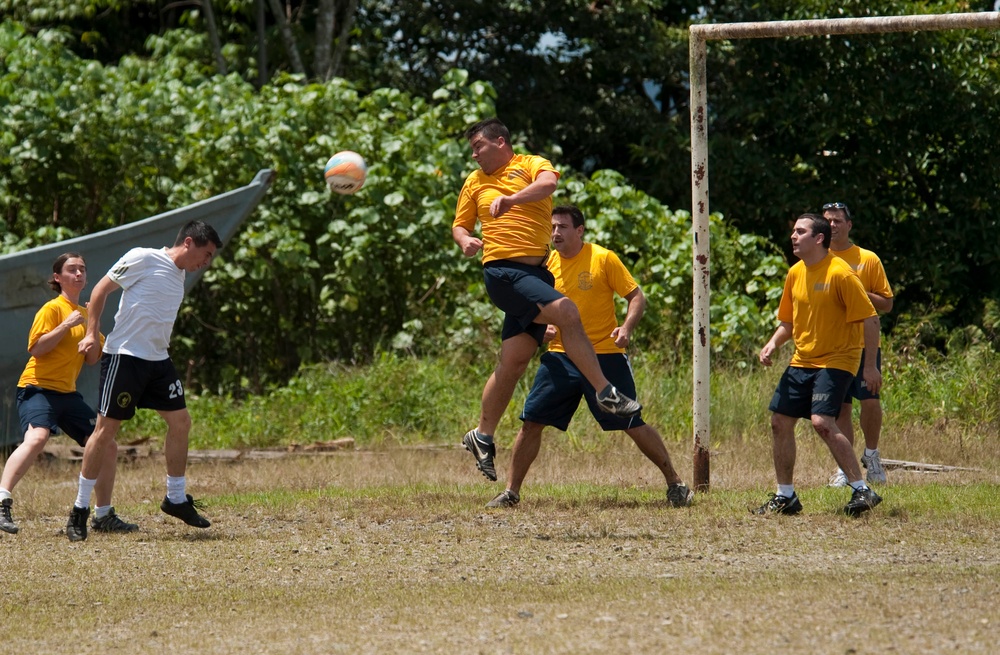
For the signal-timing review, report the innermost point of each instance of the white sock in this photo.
(4, 494)
(83, 492)
(786, 490)
(177, 489)
(858, 485)
(102, 511)
(869, 452)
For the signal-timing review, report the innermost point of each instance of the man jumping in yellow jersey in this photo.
(590, 276)
(511, 197)
(823, 307)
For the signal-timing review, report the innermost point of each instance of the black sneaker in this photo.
(484, 452)
(615, 403)
(780, 505)
(505, 498)
(862, 500)
(6, 520)
(76, 527)
(186, 511)
(678, 495)
(111, 522)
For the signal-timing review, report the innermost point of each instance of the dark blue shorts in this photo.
(55, 410)
(559, 385)
(803, 392)
(129, 382)
(518, 290)
(858, 389)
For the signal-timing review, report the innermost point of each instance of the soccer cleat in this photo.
(6, 520)
(76, 527)
(112, 523)
(838, 479)
(618, 404)
(873, 462)
(484, 452)
(780, 505)
(186, 511)
(505, 498)
(678, 495)
(862, 500)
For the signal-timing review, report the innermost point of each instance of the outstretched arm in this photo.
(636, 307)
(90, 345)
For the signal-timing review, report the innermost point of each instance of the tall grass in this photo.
(943, 405)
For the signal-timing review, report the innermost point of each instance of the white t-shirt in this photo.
(152, 291)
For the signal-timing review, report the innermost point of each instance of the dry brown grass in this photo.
(392, 551)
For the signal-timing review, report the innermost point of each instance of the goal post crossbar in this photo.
(699, 35)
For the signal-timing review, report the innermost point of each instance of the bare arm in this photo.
(543, 186)
(48, 341)
(870, 373)
(469, 243)
(636, 307)
(882, 304)
(780, 336)
(98, 298)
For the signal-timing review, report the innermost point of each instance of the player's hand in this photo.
(872, 378)
(550, 333)
(86, 344)
(75, 318)
(471, 246)
(621, 337)
(500, 205)
(765, 353)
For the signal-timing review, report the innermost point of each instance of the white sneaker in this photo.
(839, 479)
(873, 462)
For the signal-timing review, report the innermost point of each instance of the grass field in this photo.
(391, 551)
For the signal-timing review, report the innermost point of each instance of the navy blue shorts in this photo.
(129, 382)
(803, 392)
(55, 410)
(518, 290)
(858, 389)
(559, 385)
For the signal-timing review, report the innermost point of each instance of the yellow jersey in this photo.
(58, 369)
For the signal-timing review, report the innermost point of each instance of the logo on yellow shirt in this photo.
(821, 286)
(584, 281)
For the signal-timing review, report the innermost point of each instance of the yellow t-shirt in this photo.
(869, 270)
(591, 279)
(58, 369)
(826, 305)
(523, 231)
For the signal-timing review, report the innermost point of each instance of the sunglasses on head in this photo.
(838, 205)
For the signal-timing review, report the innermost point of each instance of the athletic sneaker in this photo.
(505, 498)
(186, 511)
(76, 527)
(862, 500)
(6, 520)
(678, 495)
(838, 479)
(111, 522)
(484, 451)
(873, 462)
(618, 404)
(780, 505)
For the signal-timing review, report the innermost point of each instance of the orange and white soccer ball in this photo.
(345, 172)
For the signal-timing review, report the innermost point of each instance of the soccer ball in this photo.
(345, 172)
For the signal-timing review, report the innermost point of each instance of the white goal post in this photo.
(699, 36)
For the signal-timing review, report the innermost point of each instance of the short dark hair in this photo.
(573, 211)
(57, 267)
(201, 233)
(491, 128)
(819, 226)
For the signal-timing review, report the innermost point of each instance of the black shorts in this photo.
(559, 385)
(55, 410)
(130, 382)
(858, 389)
(518, 290)
(803, 392)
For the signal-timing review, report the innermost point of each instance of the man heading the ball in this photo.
(511, 198)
